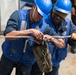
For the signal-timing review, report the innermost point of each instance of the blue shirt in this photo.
(65, 28)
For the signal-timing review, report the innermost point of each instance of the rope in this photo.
(60, 37)
(32, 37)
(16, 37)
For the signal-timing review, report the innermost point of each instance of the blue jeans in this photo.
(36, 71)
(22, 69)
(54, 71)
(6, 67)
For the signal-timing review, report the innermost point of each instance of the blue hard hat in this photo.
(43, 7)
(63, 6)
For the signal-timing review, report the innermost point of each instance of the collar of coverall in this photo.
(60, 13)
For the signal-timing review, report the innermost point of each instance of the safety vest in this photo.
(58, 54)
(14, 49)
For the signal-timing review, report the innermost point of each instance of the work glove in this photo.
(43, 57)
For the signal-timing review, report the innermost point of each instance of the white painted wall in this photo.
(0, 14)
(7, 7)
(69, 16)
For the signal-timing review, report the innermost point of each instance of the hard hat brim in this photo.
(41, 13)
(63, 15)
(61, 10)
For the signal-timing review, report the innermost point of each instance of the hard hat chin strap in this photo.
(34, 12)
